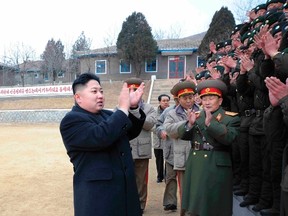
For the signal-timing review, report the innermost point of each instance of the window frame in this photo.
(120, 67)
(105, 65)
(152, 61)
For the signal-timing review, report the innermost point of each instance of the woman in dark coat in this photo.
(97, 142)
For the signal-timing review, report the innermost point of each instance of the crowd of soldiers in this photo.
(256, 49)
(253, 65)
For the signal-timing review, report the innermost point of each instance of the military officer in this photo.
(208, 173)
(185, 92)
(142, 145)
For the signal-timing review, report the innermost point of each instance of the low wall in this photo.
(32, 116)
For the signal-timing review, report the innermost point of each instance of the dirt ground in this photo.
(36, 175)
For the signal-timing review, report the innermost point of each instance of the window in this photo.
(151, 65)
(100, 67)
(46, 77)
(125, 67)
(60, 74)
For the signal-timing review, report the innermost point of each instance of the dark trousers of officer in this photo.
(236, 163)
(275, 131)
(257, 151)
(141, 167)
(159, 164)
(243, 142)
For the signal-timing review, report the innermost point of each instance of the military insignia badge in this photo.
(218, 117)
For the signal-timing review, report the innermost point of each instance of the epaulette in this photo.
(231, 113)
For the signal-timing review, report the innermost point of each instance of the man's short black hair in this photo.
(83, 79)
(163, 95)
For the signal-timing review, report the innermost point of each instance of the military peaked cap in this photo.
(212, 87)
(181, 88)
(279, 27)
(220, 45)
(134, 82)
(274, 1)
(200, 75)
(259, 7)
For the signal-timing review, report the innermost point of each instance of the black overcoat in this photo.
(98, 147)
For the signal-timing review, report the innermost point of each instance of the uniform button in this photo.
(194, 153)
(205, 155)
(122, 153)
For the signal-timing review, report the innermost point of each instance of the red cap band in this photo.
(133, 86)
(209, 91)
(185, 91)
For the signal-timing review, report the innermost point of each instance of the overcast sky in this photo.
(33, 22)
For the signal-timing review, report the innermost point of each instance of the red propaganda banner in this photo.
(36, 91)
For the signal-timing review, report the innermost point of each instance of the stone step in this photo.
(242, 211)
(161, 86)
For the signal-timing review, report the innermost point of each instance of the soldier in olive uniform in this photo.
(208, 174)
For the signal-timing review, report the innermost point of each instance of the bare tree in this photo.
(18, 57)
(174, 32)
(110, 41)
(240, 9)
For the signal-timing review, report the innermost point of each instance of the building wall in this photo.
(113, 67)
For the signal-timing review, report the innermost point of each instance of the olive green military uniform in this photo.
(207, 187)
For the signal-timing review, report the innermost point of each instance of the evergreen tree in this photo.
(81, 44)
(135, 42)
(219, 30)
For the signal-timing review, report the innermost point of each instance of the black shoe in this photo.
(270, 212)
(170, 207)
(247, 196)
(240, 192)
(259, 206)
(248, 202)
(159, 180)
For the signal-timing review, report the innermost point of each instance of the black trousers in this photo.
(258, 180)
(243, 143)
(236, 162)
(159, 163)
(276, 133)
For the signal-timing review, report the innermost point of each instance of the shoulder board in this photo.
(231, 113)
